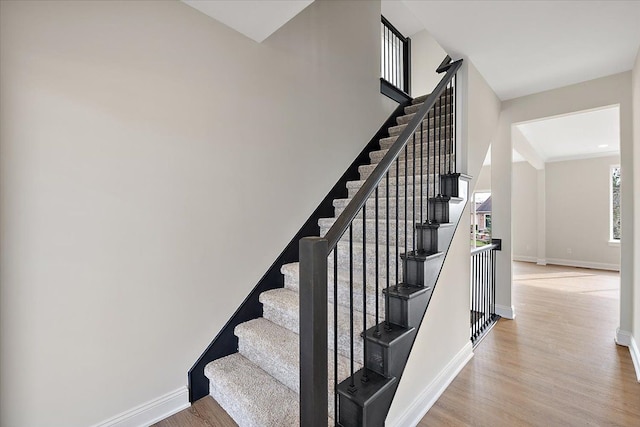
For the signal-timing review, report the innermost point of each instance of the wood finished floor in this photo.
(556, 364)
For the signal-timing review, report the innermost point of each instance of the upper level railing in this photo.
(395, 63)
(483, 289)
(386, 222)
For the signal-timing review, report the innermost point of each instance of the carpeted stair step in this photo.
(431, 188)
(290, 273)
(288, 304)
(326, 223)
(440, 118)
(428, 167)
(396, 130)
(427, 137)
(273, 299)
(435, 151)
(251, 396)
(276, 350)
(447, 93)
(341, 204)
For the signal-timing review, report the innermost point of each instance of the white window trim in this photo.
(612, 241)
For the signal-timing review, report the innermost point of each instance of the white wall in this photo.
(484, 179)
(153, 165)
(426, 55)
(606, 91)
(577, 213)
(524, 211)
(441, 344)
(636, 201)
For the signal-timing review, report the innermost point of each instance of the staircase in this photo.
(381, 275)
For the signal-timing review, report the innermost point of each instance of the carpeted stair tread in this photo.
(292, 318)
(251, 396)
(276, 351)
(281, 305)
(397, 129)
(439, 117)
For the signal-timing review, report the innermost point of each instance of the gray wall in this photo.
(153, 165)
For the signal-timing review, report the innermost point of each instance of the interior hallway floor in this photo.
(556, 364)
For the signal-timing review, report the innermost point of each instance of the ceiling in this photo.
(593, 133)
(524, 47)
(256, 19)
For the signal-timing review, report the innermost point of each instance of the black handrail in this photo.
(342, 223)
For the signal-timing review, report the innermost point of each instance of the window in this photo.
(480, 219)
(615, 179)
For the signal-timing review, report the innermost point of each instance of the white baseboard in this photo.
(150, 412)
(425, 400)
(584, 264)
(524, 258)
(623, 337)
(635, 356)
(541, 261)
(505, 312)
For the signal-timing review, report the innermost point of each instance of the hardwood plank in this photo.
(204, 413)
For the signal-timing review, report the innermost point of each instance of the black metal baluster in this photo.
(422, 167)
(386, 302)
(365, 376)
(455, 124)
(429, 157)
(397, 215)
(439, 157)
(335, 332)
(386, 54)
(413, 222)
(450, 129)
(377, 332)
(352, 386)
(406, 179)
(446, 127)
(493, 281)
(475, 295)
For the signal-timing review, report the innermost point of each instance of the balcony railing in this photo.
(395, 64)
